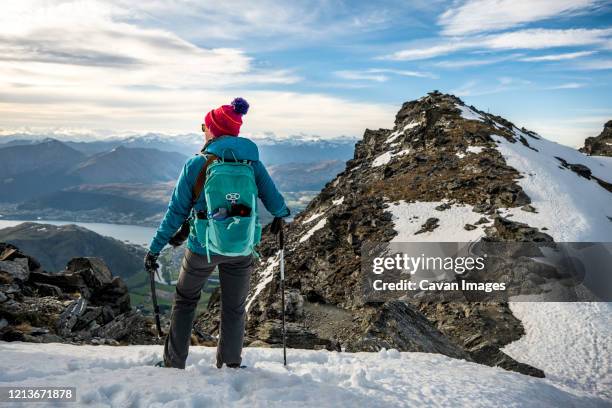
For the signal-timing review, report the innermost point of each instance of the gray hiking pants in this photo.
(234, 274)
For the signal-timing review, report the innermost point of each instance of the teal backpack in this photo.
(227, 184)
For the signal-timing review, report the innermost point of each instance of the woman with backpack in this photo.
(216, 193)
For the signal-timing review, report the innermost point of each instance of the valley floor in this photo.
(125, 376)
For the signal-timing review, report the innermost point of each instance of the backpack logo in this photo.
(232, 197)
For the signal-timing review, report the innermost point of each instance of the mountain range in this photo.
(130, 180)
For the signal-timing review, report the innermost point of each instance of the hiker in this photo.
(221, 128)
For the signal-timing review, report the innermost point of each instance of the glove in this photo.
(277, 225)
(150, 262)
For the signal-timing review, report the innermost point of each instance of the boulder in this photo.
(17, 268)
(94, 271)
(70, 316)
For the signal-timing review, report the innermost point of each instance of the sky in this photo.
(313, 68)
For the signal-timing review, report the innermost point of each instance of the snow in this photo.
(475, 149)
(387, 156)
(571, 342)
(314, 229)
(313, 217)
(573, 208)
(412, 125)
(265, 277)
(470, 149)
(469, 114)
(393, 136)
(409, 217)
(107, 376)
(382, 159)
(338, 201)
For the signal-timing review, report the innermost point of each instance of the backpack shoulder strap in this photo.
(199, 184)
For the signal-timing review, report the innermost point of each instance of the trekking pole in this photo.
(281, 242)
(155, 305)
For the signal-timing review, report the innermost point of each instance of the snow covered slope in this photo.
(571, 342)
(124, 377)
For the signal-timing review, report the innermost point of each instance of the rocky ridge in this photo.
(438, 151)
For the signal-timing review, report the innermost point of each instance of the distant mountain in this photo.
(311, 176)
(600, 145)
(48, 155)
(32, 171)
(294, 149)
(53, 246)
(133, 165)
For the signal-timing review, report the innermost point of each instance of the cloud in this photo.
(477, 16)
(381, 74)
(558, 57)
(475, 62)
(599, 64)
(568, 85)
(503, 84)
(87, 64)
(362, 75)
(532, 39)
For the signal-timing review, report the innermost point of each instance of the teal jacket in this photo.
(180, 205)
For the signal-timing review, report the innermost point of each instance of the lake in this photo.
(134, 234)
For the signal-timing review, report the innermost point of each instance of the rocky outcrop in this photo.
(600, 145)
(84, 303)
(434, 153)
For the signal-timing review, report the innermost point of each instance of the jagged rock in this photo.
(67, 282)
(10, 252)
(429, 225)
(115, 294)
(120, 327)
(91, 315)
(16, 269)
(529, 208)
(3, 323)
(443, 207)
(70, 316)
(508, 230)
(3, 297)
(600, 145)
(93, 271)
(296, 336)
(469, 227)
(45, 289)
(399, 325)
(482, 220)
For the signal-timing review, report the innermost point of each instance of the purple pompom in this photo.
(240, 106)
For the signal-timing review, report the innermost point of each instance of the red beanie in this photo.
(227, 119)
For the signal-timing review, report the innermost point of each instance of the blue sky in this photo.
(324, 68)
